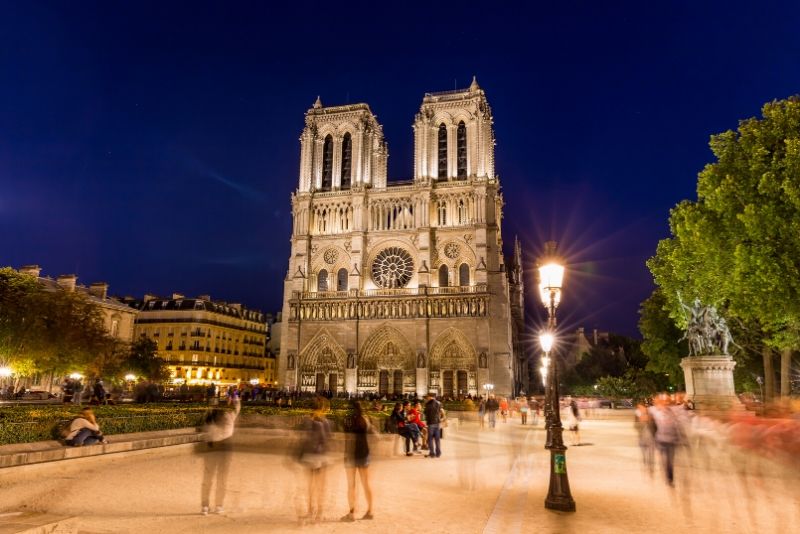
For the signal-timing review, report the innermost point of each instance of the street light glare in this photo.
(546, 340)
(5, 372)
(551, 276)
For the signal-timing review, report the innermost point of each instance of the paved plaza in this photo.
(486, 481)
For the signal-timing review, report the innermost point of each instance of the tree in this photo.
(143, 360)
(662, 339)
(738, 246)
(609, 357)
(49, 331)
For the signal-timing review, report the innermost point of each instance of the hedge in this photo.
(25, 424)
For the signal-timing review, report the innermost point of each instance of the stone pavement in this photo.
(486, 481)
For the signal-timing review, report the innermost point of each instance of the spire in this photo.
(474, 85)
(318, 103)
(517, 252)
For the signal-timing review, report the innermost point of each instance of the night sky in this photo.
(154, 145)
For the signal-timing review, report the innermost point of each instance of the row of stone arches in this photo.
(387, 364)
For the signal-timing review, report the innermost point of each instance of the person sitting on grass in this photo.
(84, 430)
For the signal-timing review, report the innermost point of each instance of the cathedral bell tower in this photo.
(453, 136)
(341, 147)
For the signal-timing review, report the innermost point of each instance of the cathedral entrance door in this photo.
(462, 383)
(398, 382)
(447, 383)
(333, 382)
(320, 382)
(383, 383)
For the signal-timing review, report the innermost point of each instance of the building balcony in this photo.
(383, 293)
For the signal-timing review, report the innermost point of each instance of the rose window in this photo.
(452, 250)
(392, 268)
(331, 255)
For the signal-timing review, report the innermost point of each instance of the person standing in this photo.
(216, 452)
(77, 389)
(356, 460)
(99, 392)
(482, 411)
(504, 408)
(491, 408)
(433, 416)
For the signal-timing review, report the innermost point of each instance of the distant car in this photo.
(37, 394)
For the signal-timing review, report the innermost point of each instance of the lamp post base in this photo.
(558, 495)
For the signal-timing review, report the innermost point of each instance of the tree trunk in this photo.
(769, 375)
(786, 377)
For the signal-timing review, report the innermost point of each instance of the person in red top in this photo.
(504, 408)
(413, 416)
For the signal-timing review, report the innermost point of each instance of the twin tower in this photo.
(401, 288)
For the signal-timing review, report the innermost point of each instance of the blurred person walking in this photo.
(482, 411)
(574, 419)
(645, 426)
(667, 434)
(533, 405)
(314, 457)
(356, 460)
(216, 452)
(491, 408)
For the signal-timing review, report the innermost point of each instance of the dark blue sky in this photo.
(155, 145)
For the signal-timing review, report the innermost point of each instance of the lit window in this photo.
(442, 152)
(327, 163)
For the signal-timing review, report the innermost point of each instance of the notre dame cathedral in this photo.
(400, 287)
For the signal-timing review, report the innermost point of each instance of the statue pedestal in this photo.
(709, 382)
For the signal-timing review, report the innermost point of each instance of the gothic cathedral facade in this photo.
(400, 287)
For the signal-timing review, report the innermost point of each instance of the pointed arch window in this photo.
(443, 276)
(442, 175)
(461, 150)
(463, 275)
(322, 280)
(442, 210)
(462, 212)
(347, 160)
(341, 280)
(327, 163)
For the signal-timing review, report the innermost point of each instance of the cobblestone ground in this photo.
(486, 481)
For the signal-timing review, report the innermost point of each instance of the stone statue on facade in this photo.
(351, 361)
(482, 363)
(706, 330)
(290, 362)
(421, 360)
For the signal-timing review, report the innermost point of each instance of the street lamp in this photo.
(488, 388)
(551, 278)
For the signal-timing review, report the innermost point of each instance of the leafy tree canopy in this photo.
(49, 330)
(738, 246)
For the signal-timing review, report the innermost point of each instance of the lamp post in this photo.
(551, 277)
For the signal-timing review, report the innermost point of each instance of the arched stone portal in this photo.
(453, 365)
(322, 364)
(386, 363)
